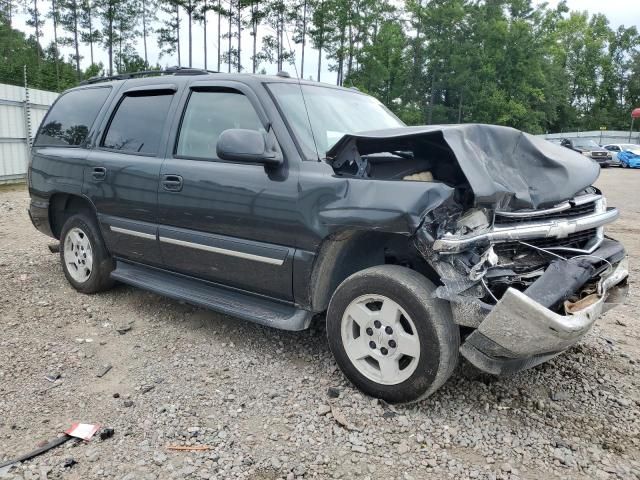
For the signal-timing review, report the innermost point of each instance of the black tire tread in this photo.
(437, 315)
(100, 278)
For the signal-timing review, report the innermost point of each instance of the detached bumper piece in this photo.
(524, 330)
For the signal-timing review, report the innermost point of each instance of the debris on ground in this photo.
(189, 448)
(104, 370)
(333, 392)
(46, 389)
(105, 433)
(38, 451)
(83, 431)
(123, 328)
(52, 377)
(341, 419)
(147, 388)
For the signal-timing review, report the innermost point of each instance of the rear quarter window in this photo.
(71, 116)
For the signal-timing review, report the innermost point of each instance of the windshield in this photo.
(585, 144)
(332, 113)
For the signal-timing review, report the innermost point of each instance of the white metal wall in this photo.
(16, 118)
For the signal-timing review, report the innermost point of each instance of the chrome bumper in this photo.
(558, 228)
(520, 328)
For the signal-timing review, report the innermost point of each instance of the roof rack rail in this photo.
(167, 71)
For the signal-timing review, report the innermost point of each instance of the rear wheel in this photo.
(389, 336)
(85, 260)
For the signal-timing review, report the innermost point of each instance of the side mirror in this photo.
(241, 145)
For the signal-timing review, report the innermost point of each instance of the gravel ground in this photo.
(273, 404)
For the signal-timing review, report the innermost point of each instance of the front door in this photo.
(223, 221)
(122, 172)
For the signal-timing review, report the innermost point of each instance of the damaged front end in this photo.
(532, 282)
(519, 247)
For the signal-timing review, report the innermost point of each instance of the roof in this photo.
(180, 75)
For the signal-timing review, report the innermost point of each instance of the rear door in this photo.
(60, 149)
(222, 221)
(122, 172)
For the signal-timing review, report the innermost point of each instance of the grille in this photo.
(598, 154)
(574, 211)
(574, 240)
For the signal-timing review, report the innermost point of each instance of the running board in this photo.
(223, 300)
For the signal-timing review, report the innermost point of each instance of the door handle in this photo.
(172, 183)
(99, 173)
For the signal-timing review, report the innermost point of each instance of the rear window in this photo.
(136, 127)
(69, 120)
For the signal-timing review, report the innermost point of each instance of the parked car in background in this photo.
(590, 149)
(626, 154)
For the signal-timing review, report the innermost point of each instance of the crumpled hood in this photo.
(499, 163)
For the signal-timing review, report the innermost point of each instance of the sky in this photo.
(619, 12)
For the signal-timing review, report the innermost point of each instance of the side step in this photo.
(203, 294)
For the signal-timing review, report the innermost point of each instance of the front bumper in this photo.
(520, 333)
(604, 162)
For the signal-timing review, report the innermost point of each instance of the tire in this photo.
(395, 308)
(85, 260)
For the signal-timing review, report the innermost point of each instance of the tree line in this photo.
(507, 62)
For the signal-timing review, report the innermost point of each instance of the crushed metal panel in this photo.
(377, 205)
(500, 163)
(526, 328)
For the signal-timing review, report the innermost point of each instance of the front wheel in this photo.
(389, 336)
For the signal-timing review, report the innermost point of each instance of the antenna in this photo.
(304, 101)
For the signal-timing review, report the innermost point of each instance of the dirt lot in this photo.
(261, 398)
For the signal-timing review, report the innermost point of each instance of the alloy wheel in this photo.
(380, 339)
(78, 255)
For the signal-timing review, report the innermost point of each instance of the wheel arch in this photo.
(63, 205)
(343, 254)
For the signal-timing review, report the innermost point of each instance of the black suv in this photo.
(276, 200)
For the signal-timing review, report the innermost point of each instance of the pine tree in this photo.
(35, 21)
(70, 14)
(169, 31)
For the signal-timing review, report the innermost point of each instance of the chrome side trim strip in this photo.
(133, 233)
(222, 251)
(559, 228)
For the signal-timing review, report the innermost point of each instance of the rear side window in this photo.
(136, 127)
(208, 114)
(69, 120)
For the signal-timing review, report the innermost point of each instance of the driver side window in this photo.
(207, 115)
